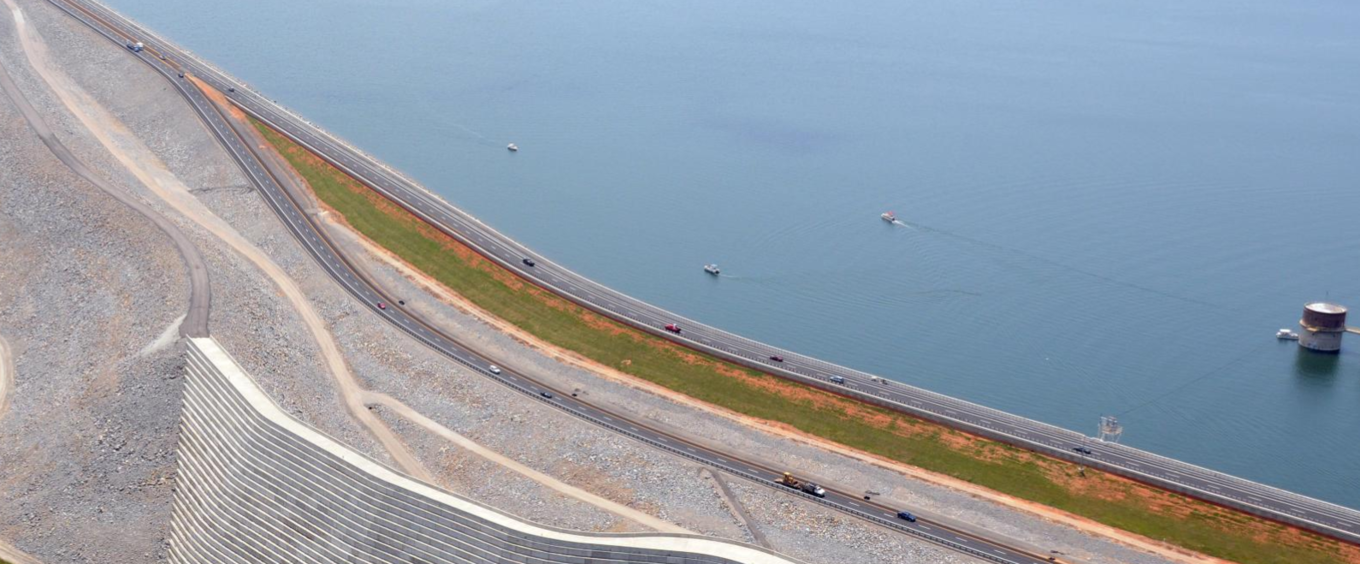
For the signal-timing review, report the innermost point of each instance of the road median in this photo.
(1158, 516)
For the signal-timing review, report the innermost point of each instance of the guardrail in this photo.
(845, 390)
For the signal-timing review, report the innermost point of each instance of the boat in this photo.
(888, 217)
(712, 269)
(1286, 335)
(512, 147)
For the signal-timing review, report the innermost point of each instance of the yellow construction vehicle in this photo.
(807, 487)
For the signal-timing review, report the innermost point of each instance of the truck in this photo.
(804, 486)
(135, 46)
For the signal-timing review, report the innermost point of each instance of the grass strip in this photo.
(1102, 497)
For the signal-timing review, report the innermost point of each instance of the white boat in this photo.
(1286, 335)
(512, 147)
(888, 217)
(712, 269)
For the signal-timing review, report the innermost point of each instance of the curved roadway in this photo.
(1267, 501)
(316, 243)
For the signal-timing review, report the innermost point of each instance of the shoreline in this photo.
(389, 255)
(697, 400)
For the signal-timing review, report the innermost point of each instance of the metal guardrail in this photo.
(532, 393)
(846, 390)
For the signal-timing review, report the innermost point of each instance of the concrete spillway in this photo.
(256, 485)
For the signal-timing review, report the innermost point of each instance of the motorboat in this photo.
(888, 217)
(1286, 335)
(712, 269)
(512, 147)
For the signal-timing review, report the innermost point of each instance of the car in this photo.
(528, 261)
(546, 394)
(382, 305)
(1082, 450)
(673, 328)
(838, 380)
(231, 89)
(777, 358)
(181, 75)
(906, 516)
(495, 369)
(814, 489)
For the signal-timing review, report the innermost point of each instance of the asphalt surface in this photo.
(195, 322)
(1267, 501)
(351, 279)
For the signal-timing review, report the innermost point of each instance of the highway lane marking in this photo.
(854, 504)
(998, 552)
(1211, 486)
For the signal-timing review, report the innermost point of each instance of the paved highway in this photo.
(317, 243)
(1270, 502)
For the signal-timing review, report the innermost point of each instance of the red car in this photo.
(673, 328)
(382, 305)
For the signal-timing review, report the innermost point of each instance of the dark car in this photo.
(546, 394)
(181, 75)
(1082, 450)
(814, 489)
(231, 89)
(906, 516)
(673, 328)
(528, 262)
(777, 358)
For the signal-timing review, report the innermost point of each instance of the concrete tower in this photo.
(1323, 324)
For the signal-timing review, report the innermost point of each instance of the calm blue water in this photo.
(1109, 207)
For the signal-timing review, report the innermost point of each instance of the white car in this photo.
(495, 369)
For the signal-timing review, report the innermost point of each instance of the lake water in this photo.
(1108, 207)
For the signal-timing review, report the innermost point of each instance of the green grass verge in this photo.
(1144, 510)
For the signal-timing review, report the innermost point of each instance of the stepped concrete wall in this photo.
(256, 485)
